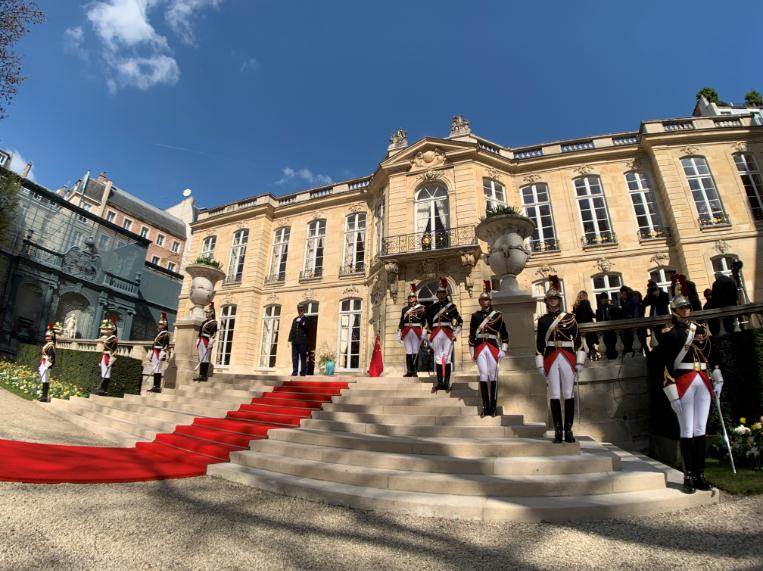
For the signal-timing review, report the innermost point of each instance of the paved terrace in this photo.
(209, 523)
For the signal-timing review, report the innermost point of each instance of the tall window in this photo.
(662, 277)
(279, 255)
(608, 283)
(537, 207)
(723, 264)
(495, 194)
(269, 345)
(160, 240)
(127, 224)
(539, 293)
(642, 197)
(316, 235)
(594, 215)
(379, 223)
(703, 191)
(237, 255)
(753, 183)
(225, 336)
(144, 232)
(432, 216)
(349, 334)
(171, 266)
(208, 247)
(175, 246)
(354, 244)
(154, 259)
(110, 216)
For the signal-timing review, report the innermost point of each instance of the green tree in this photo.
(708, 93)
(9, 199)
(15, 18)
(753, 99)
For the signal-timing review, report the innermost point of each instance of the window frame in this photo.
(269, 332)
(279, 254)
(601, 227)
(354, 323)
(439, 237)
(315, 248)
(642, 196)
(145, 232)
(543, 238)
(753, 186)
(207, 252)
(707, 216)
(490, 189)
(237, 257)
(354, 255)
(225, 335)
(160, 240)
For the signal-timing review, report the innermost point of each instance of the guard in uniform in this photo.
(160, 351)
(110, 343)
(206, 341)
(560, 358)
(47, 360)
(444, 324)
(411, 331)
(488, 343)
(686, 352)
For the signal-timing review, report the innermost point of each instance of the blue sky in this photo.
(233, 98)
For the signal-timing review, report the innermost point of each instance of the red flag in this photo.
(377, 364)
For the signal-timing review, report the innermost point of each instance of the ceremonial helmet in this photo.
(108, 325)
(210, 309)
(412, 293)
(555, 289)
(443, 286)
(163, 319)
(50, 331)
(680, 289)
(487, 288)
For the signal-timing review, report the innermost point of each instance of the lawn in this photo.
(746, 481)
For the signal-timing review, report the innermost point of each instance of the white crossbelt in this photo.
(561, 344)
(690, 366)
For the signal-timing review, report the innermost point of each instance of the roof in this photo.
(141, 210)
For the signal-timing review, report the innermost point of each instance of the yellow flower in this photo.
(757, 426)
(743, 420)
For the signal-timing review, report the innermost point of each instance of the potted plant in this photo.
(506, 229)
(326, 360)
(205, 272)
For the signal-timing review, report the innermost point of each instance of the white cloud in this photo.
(250, 64)
(18, 163)
(305, 175)
(74, 40)
(181, 12)
(124, 23)
(145, 72)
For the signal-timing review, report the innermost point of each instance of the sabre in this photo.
(725, 434)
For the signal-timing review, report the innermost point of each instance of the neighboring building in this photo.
(63, 263)
(680, 195)
(166, 232)
(706, 108)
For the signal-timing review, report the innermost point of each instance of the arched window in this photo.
(354, 244)
(279, 255)
(271, 320)
(723, 264)
(609, 284)
(594, 215)
(539, 293)
(748, 170)
(316, 235)
(703, 191)
(537, 207)
(642, 197)
(349, 333)
(495, 194)
(225, 335)
(237, 255)
(662, 277)
(433, 216)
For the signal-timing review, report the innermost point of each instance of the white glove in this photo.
(580, 357)
(398, 338)
(717, 377)
(456, 333)
(501, 354)
(505, 347)
(112, 360)
(539, 364)
(471, 352)
(162, 355)
(676, 406)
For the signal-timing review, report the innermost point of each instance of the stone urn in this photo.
(203, 280)
(507, 254)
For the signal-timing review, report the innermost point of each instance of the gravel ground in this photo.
(207, 523)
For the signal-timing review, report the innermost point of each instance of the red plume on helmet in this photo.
(163, 319)
(680, 289)
(413, 290)
(555, 287)
(443, 285)
(487, 287)
(114, 320)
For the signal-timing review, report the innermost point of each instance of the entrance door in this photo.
(311, 312)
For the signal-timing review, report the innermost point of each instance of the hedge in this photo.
(740, 356)
(82, 368)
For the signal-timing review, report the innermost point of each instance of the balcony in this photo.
(715, 220)
(356, 269)
(544, 246)
(275, 278)
(314, 274)
(429, 242)
(654, 233)
(593, 240)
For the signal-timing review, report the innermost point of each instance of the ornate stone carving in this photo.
(544, 271)
(636, 163)
(721, 246)
(583, 170)
(392, 268)
(317, 215)
(355, 208)
(459, 126)
(79, 263)
(468, 259)
(429, 268)
(398, 139)
(531, 179)
(740, 146)
(660, 259)
(604, 265)
(429, 159)
(689, 150)
(272, 299)
(495, 174)
(430, 175)
(376, 290)
(350, 291)
(308, 294)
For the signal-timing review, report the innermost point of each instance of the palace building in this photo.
(678, 195)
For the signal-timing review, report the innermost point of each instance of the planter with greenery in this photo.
(505, 229)
(205, 273)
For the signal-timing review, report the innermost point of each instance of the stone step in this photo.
(504, 466)
(152, 417)
(423, 420)
(200, 408)
(525, 430)
(63, 409)
(136, 429)
(405, 400)
(400, 390)
(527, 509)
(448, 408)
(456, 447)
(455, 484)
(163, 400)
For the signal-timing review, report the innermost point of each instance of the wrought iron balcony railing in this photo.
(311, 274)
(275, 278)
(655, 233)
(712, 220)
(358, 268)
(542, 246)
(591, 239)
(429, 241)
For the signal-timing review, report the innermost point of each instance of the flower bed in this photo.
(25, 382)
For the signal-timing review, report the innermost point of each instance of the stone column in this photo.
(47, 298)
(181, 369)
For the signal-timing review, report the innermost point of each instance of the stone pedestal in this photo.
(184, 354)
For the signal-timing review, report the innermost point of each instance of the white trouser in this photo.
(487, 365)
(695, 408)
(105, 369)
(412, 343)
(204, 352)
(441, 347)
(560, 378)
(156, 363)
(44, 373)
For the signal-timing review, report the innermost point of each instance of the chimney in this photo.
(102, 177)
(61, 191)
(25, 172)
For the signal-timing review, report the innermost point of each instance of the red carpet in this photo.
(182, 454)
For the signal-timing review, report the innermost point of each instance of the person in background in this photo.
(713, 324)
(604, 313)
(110, 343)
(693, 296)
(410, 331)
(725, 294)
(632, 308)
(47, 360)
(656, 303)
(584, 314)
(444, 324)
(160, 351)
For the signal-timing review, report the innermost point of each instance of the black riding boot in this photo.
(44, 396)
(157, 388)
(698, 457)
(438, 376)
(204, 370)
(493, 397)
(569, 417)
(485, 399)
(408, 366)
(448, 368)
(414, 364)
(687, 453)
(556, 416)
(103, 388)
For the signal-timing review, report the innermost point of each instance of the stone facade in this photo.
(421, 206)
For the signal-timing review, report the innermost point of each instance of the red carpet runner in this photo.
(184, 453)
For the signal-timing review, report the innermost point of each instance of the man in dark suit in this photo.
(298, 340)
(725, 294)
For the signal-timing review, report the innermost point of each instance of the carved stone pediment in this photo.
(81, 264)
(544, 271)
(428, 159)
